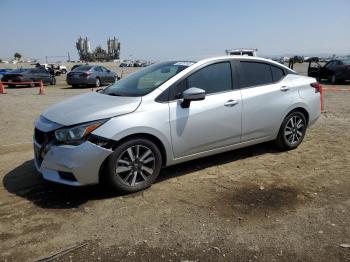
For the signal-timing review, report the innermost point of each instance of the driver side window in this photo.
(214, 78)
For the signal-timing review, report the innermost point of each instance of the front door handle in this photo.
(231, 103)
(284, 88)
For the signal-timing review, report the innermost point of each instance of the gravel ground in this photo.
(252, 204)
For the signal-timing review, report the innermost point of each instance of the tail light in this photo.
(87, 74)
(317, 86)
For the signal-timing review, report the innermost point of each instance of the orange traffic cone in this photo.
(2, 88)
(42, 89)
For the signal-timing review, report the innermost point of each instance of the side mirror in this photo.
(192, 94)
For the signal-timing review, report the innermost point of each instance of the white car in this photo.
(169, 113)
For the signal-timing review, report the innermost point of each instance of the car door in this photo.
(43, 75)
(210, 123)
(266, 95)
(109, 75)
(99, 73)
(327, 70)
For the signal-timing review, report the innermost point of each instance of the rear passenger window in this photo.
(277, 73)
(213, 78)
(255, 74)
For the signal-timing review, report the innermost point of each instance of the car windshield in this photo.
(82, 68)
(146, 80)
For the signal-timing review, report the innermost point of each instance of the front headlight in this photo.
(77, 134)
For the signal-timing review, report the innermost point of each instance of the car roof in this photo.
(239, 57)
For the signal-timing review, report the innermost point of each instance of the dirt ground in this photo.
(253, 204)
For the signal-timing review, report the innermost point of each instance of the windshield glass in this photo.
(146, 80)
(82, 68)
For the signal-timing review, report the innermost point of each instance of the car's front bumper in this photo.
(82, 163)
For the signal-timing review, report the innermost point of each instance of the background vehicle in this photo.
(91, 75)
(126, 64)
(242, 51)
(335, 71)
(29, 75)
(4, 71)
(169, 113)
(58, 69)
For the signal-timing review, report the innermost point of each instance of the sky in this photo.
(182, 29)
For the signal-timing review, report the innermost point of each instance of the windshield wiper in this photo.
(113, 94)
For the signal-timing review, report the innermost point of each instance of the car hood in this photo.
(90, 107)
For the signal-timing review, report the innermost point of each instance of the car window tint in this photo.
(213, 78)
(33, 71)
(180, 88)
(277, 73)
(98, 69)
(254, 74)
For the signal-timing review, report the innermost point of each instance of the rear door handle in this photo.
(284, 88)
(231, 103)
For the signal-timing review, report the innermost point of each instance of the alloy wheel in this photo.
(294, 129)
(98, 83)
(135, 165)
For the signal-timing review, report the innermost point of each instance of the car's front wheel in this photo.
(333, 79)
(134, 165)
(292, 131)
(53, 81)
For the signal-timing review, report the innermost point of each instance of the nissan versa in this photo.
(169, 113)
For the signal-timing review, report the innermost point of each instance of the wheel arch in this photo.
(148, 136)
(152, 138)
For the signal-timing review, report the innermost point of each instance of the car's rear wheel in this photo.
(292, 131)
(134, 165)
(53, 81)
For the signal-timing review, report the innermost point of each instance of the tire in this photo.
(133, 175)
(290, 134)
(75, 86)
(64, 71)
(32, 84)
(97, 82)
(53, 81)
(333, 79)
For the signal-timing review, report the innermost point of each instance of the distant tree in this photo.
(17, 56)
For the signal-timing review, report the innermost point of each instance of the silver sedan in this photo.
(170, 113)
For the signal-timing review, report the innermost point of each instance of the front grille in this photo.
(42, 137)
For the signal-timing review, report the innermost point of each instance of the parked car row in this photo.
(80, 75)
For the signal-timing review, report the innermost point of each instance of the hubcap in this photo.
(294, 129)
(135, 165)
